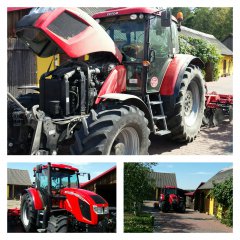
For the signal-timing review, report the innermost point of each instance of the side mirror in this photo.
(39, 168)
(166, 18)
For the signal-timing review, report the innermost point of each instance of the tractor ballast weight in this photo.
(60, 205)
(125, 80)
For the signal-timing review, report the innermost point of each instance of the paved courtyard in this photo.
(189, 222)
(211, 141)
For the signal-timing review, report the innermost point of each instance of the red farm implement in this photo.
(218, 106)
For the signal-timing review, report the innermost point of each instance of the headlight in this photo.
(106, 210)
(100, 210)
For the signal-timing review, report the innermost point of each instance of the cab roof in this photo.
(111, 12)
(124, 11)
(62, 166)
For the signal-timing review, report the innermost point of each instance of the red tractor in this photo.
(172, 198)
(125, 79)
(57, 204)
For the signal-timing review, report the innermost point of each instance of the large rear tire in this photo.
(119, 131)
(28, 213)
(182, 207)
(189, 109)
(57, 224)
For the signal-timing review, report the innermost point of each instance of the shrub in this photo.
(223, 193)
(142, 223)
(207, 52)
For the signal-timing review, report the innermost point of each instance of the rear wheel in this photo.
(28, 213)
(182, 207)
(119, 131)
(189, 109)
(57, 224)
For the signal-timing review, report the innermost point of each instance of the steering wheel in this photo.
(133, 50)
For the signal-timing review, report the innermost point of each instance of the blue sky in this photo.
(190, 175)
(93, 168)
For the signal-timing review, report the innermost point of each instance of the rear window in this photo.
(67, 26)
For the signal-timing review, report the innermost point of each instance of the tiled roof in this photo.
(18, 177)
(164, 179)
(218, 178)
(188, 32)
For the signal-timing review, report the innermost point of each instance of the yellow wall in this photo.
(43, 65)
(229, 65)
(219, 212)
(211, 206)
(209, 203)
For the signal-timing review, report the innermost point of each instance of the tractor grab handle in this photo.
(17, 102)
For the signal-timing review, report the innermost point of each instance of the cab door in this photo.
(160, 53)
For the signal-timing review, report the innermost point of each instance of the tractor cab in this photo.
(148, 40)
(169, 190)
(52, 179)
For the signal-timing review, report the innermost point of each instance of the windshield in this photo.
(62, 178)
(128, 35)
(170, 190)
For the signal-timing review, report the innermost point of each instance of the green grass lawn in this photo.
(143, 223)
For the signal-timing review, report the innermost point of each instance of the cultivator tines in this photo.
(218, 107)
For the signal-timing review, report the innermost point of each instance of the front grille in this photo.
(85, 209)
(98, 199)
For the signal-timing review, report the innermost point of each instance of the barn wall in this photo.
(21, 66)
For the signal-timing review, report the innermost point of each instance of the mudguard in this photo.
(173, 77)
(129, 99)
(35, 195)
(115, 82)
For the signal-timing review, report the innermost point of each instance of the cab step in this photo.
(155, 106)
(162, 132)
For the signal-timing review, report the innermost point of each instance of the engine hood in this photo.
(82, 204)
(50, 31)
(89, 197)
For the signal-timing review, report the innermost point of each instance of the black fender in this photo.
(133, 100)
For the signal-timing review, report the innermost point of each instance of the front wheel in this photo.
(189, 109)
(119, 131)
(57, 224)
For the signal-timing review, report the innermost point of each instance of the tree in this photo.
(215, 21)
(223, 193)
(137, 185)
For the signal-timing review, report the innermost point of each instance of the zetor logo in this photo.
(154, 82)
(112, 13)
